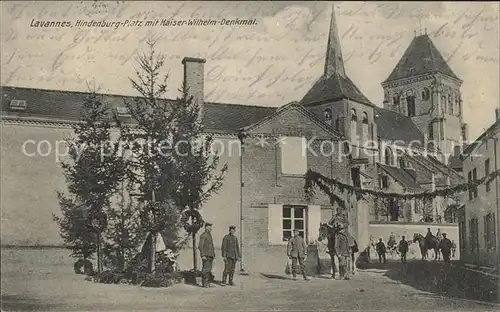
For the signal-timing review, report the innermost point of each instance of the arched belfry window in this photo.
(328, 114)
(365, 118)
(443, 103)
(450, 104)
(426, 94)
(388, 156)
(410, 101)
(354, 116)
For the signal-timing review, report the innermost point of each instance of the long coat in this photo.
(296, 247)
(206, 245)
(230, 247)
(342, 243)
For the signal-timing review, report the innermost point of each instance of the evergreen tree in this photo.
(176, 163)
(93, 173)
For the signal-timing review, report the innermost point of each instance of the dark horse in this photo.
(425, 245)
(328, 231)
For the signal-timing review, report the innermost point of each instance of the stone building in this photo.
(478, 217)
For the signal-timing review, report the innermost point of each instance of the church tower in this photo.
(337, 100)
(425, 88)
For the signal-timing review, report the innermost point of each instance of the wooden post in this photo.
(153, 237)
(99, 258)
(195, 262)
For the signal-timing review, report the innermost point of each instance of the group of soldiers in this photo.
(230, 253)
(446, 246)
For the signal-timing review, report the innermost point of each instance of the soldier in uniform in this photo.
(230, 254)
(342, 247)
(207, 253)
(297, 251)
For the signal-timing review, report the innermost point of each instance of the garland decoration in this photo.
(314, 179)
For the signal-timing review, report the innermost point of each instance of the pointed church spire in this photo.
(334, 62)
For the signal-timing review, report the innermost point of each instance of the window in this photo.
(474, 178)
(463, 234)
(490, 231)
(443, 103)
(354, 116)
(457, 104)
(395, 100)
(123, 111)
(410, 101)
(431, 131)
(469, 180)
(365, 118)
(487, 173)
(425, 94)
(293, 156)
(294, 217)
(356, 177)
(474, 235)
(328, 114)
(464, 134)
(384, 181)
(18, 104)
(388, 156)
(450, 105)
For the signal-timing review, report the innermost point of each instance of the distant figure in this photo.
(381, 250)
(453, 248)
(297, 251)
(445, 245)
(392, 241)
(403, 248)
(428, 237)
(438, 234)
(231, 254)
(207, 253)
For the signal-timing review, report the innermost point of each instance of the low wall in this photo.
(381, 229)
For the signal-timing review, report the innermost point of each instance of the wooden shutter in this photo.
(313, 221)
(274, 224)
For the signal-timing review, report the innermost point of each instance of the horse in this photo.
(425, 246)
(328, 231)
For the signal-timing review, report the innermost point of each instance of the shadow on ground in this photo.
(435, 277)
(24, 303)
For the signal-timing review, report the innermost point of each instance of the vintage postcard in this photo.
(250, 156)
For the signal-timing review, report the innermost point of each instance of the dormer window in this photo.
(328, 114)
(18, 104)
(354, 116)
(123, 111)
(365, 118)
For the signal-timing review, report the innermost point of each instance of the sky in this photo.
(271, 63)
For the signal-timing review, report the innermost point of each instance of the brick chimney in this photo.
(194, 76)
(497, 113)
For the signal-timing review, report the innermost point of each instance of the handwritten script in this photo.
(271, 62)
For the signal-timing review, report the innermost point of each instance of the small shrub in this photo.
(110, 277)
(161, 279)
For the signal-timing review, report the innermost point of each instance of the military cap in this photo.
(232, 227)
(208, 224)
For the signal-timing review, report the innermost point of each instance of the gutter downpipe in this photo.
(241, 137)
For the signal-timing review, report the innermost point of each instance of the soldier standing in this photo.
(297, 251)
(403, 249)
(342, 242)
(230, 254)
(445, 245)
(207, 253)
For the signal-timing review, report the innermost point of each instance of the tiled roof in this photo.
(402, 176)
(67, 105)
(232, 117)
(392, 126)
(333, 88)
(421, 57)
